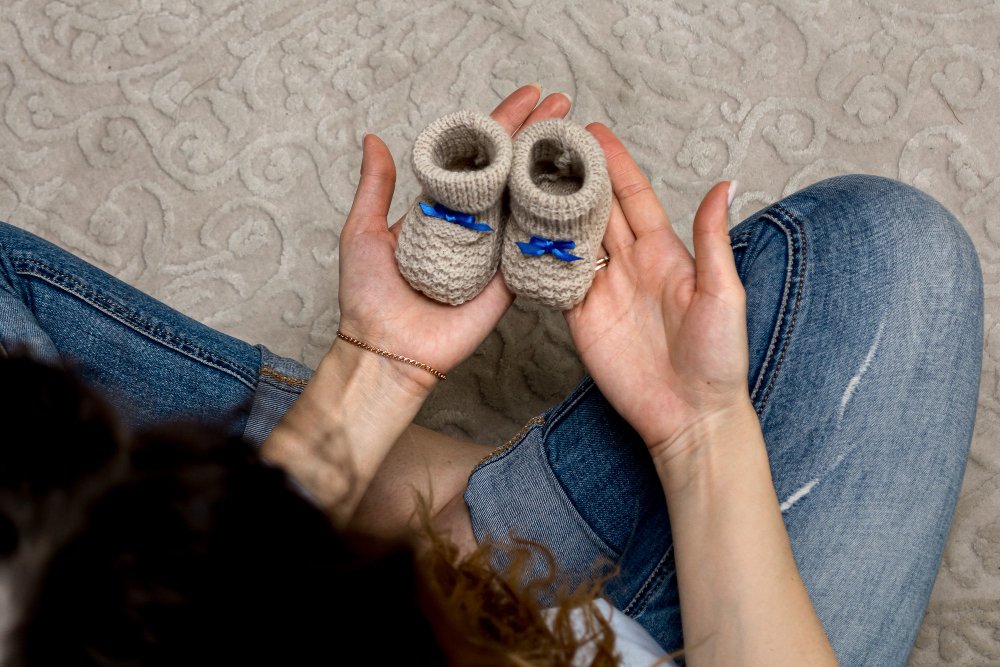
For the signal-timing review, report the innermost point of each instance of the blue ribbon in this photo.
(466, 220)
(539, 245)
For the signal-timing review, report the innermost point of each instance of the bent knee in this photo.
(918, 241)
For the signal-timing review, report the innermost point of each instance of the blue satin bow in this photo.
(539, 245)
(466, 220)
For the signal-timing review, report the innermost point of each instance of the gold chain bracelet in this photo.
(385, 353)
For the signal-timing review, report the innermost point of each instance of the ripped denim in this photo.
(865, 323)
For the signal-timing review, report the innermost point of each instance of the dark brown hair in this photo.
(179, 545)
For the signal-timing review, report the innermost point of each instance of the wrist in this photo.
(336, 434)
(368, 372)
(354, 393)
(694, 450)
(413, 375)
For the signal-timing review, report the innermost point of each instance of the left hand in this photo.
(377, 305)
(663, 333)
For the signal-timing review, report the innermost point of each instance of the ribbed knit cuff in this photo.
(462, 160)
(558, 175)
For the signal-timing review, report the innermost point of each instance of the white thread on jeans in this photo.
(798, 495)
(790, 249)
(856, 380)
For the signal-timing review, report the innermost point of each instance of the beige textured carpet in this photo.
(206, 151)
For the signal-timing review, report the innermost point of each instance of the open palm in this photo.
(376, 304)
(663, 335)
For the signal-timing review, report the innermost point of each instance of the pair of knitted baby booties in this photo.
(535, 207)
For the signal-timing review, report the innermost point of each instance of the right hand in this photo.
(377, 305)
(663, 333)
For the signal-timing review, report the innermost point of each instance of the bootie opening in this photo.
(464, 148)
(556, 168)
(462, 161)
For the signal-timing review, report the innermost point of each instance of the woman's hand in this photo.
(357, 404)
(376, 304)
(664, 334)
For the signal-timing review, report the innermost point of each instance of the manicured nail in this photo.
(732, 192)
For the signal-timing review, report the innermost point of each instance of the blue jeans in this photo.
(151, 361)
(865, 322)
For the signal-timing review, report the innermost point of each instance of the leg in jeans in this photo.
(152, 362)
(865, 316)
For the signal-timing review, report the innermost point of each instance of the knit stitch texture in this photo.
(560, 190)
(462, 161)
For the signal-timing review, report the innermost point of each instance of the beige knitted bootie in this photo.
(560, 201)
(449, 246)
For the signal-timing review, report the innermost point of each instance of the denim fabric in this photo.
(864, 307)
(152, 361)
(865, 323)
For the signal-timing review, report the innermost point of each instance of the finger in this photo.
(374, 194)
(715, 265)
(602, 260)
(639, 203)
(618, 234)
(556, 105)
(517, 106)
(397, 227)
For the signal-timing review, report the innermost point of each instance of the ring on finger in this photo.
(602, 263)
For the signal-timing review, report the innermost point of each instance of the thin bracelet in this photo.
(371, 348)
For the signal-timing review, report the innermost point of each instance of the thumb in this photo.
(715, 265)
(374, 194)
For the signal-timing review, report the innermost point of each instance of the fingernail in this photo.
(570, 98)
(538, 86)
(732, 192)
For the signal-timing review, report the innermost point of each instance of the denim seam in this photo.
(545, 423)
(510, 445)
(20, 292)
(742, 237)
(800, 290)
(542, 420)
(579, 392)
(133, 321)
(597, 540)
(280, 386)
(781, 335)
(277, 379)
(775, 334)
(652, 581)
